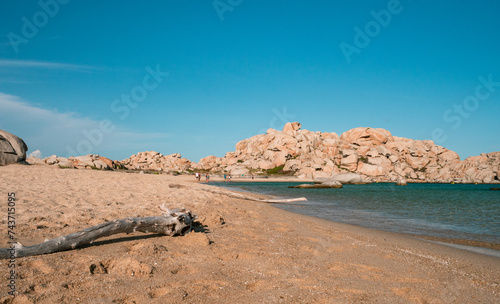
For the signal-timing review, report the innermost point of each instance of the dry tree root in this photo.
(172, 222)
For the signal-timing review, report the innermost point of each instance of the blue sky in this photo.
(202, 75)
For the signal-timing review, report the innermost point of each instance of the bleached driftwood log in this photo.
(172, 222)
(285, 200)
(251, 198)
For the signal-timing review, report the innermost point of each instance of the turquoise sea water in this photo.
(459, 211)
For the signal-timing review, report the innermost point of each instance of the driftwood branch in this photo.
(172, 222)
(251, 198)
(284, 200)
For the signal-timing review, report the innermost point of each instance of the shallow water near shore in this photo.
(450, 211)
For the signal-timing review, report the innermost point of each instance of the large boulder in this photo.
(292, 126)
(35, 161)
(449, 156)
(239, 171)
(12, 149)
(264, 164)
(370, 170)
(367, 136)
(327, 184)
(349, 159)
(348, 178)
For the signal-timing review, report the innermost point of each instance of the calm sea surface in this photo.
(459, 211)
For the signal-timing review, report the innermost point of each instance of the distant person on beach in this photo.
(197, 176)
(224, 177)
(229, 177)
(207, 177)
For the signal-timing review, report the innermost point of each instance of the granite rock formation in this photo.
(12, 149)
(373, 154)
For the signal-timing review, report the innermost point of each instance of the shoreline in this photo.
(491, 249)
(291, 178)
(240, 250)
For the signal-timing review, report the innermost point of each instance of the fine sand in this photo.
(241, 251)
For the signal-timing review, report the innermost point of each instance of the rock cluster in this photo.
(476, 169)
(346, 179)
(374, 154)
(89, 161)
(321, 183)
(141, 161)
(152, 160)
(12, 149)
(359, 155)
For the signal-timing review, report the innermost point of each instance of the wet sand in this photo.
(241, 251)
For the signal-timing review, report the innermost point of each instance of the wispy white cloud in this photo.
(9, 63)
(51, 131)
(18, 109)
(13, 80)
(36, 153)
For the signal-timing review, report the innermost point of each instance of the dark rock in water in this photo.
(318, 186)
(495, 189)
(12, 149)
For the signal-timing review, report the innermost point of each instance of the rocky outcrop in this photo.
(89, 161)
(373, 154)
(359, 155)
(141, 161)
(291, 126)
(349, 179)
(484, 168)
(152, 160)
(367, 136)
(12, 149)
(322, 185)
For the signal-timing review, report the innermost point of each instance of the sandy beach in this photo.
(240, 251)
